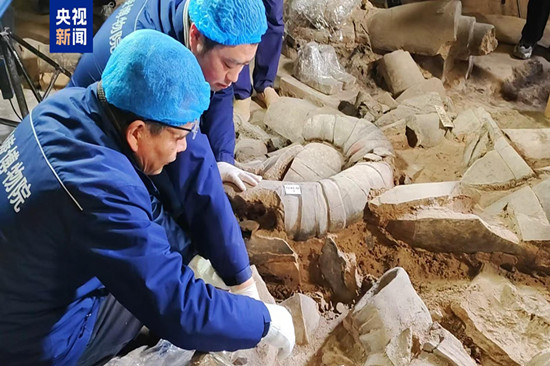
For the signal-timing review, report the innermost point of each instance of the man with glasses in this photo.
(87, 252)
(223, 36)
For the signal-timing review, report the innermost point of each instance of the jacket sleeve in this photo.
(217, 124)
(131, 256)
(198, 202)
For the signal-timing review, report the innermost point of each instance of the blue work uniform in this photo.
(266, 61)
(191, 186)
(79, 220)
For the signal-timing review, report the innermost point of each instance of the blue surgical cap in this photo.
(156, 77)
(229, 22)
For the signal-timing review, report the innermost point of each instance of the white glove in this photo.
(232, 174)
(247, 288)
(281, 330)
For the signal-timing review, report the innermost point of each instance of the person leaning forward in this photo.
(88, 253)
(222, 34)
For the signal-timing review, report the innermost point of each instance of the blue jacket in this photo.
(166, 16)
(191, 186)
(77, 219)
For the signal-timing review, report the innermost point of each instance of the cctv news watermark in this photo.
(71, 23)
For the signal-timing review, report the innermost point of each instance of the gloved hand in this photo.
(281, 330)
(231, 173)
(247, 288)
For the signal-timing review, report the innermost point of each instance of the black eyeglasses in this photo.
(194, 130)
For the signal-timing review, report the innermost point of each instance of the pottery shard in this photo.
(305, 316)
(274, 258)
(509, 324)
(340, 271)
(399, 71)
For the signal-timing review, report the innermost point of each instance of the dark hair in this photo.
(124, 118)
(209, 44)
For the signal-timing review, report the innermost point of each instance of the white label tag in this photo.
(293, 189)
(444, 117)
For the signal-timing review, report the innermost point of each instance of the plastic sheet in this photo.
(317, 66)
(321, 14)
(165, 353)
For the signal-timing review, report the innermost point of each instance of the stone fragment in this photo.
(396, 134)
(366, 104)
(386, 99)
(315, 162)
(264, 293)
(292, 87)
(287, 116)
(247, 129)
(542, 190)
(466, 125)
(425, 103)
(526, 213)
(400, 27)
(432, 85)
(380, 331)
(422, 104)
(378, 319)
(274, 258)
(340, 271)
(249, 149)
(399, 71)
(424, 130)
(508, 28)
(404, 197)
(447, 347)
(490, 170)
(305, 316)
(532, 144)
(427, 359)
(440, 229)
(502, 167)
(340, 308)
(464, 35)
(509, 324)
(541, 359)
(483, 40)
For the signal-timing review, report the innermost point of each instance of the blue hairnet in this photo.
(156, 77)
(229, 22)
